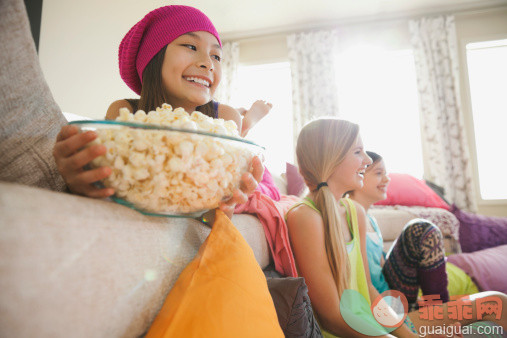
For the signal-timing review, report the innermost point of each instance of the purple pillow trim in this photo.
(477, 232)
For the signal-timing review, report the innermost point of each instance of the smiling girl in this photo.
(417, 258)
(328, 235)
(171, 56)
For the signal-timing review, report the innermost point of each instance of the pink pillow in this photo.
(295, 182)
(487, 268)
(407, 190)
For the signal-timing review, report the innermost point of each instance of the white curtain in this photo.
(445, 147)
(230, 62)
(314, 92)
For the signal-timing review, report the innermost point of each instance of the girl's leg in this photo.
(417, 259)
(257, 111)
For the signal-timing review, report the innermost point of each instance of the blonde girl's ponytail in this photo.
(321, 146)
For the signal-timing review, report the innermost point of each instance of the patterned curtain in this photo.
(445, 147)
(230, 62)
(314, 92)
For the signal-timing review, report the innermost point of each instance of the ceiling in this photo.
(239, 18)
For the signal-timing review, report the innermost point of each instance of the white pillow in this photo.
(74, 117)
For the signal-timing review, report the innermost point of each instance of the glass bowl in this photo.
(166, 171)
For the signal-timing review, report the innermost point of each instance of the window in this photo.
(270, 82)
(377, 89)
(487, 70)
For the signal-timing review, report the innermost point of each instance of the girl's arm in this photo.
(306, 233)
(361, 220)
(403, 330)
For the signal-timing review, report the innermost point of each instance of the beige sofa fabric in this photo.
(390, 222)
(76, 267)
(29, 117)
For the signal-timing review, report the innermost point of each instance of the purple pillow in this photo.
(477, 232)
(487, 268)
(295, 182)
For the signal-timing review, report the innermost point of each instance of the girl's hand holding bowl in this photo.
(174, 164)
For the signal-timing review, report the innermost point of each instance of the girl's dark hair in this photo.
(153, 92)
(374, 157)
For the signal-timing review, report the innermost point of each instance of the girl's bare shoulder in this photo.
(114, 109)
(304, 218)
(229, 113)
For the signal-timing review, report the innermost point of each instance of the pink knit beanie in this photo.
(156, 30)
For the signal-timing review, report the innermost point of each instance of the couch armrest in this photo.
(71, 265)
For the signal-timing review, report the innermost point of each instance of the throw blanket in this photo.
(268, 187)
(271, 214)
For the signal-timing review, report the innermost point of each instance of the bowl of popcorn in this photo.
(171, 163)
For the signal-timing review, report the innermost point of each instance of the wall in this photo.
(78, 51)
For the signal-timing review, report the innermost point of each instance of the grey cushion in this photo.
(293, 307)
(29, 117)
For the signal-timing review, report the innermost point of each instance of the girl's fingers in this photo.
(82, 183)
(257, 168)
(248, 183)
(228, 206)
(89, 176)
(85, 156)
(66, 132)
(70, 145)
(238, 197)
(228, 210)
(94, 192)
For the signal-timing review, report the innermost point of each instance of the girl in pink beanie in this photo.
(171, 56)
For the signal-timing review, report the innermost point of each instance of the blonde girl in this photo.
(328, 233)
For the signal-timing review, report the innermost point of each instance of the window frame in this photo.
(468, 115)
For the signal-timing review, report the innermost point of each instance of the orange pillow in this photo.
(221, 293)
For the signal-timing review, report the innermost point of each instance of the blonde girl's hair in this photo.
(321, 146)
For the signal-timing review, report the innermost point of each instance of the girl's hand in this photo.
(71, 156)
(249, 182)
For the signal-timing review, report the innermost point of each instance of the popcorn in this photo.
(173, 172)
